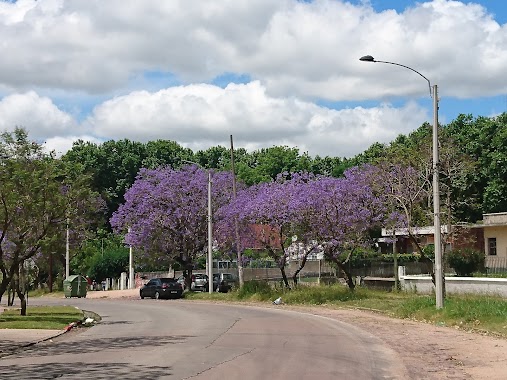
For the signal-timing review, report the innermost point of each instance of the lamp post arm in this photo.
(407, 67)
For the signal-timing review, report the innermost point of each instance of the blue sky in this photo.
(269, 72)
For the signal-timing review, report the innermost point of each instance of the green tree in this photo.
(38, 194)
(483, 140)
(162, 153)
(109, 263)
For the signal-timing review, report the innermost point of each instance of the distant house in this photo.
(488, 236)
(494, 227)
(424, 235)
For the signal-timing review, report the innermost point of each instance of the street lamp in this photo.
(439, 275)
(210, 230)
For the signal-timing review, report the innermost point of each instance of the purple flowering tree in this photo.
(166, 213)
(334, 213)
(268, 214)
(343, 213)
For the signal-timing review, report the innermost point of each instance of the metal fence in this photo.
(496, 265)
(384, 269)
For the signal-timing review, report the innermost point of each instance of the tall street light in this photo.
(210, 230)
(439, 275)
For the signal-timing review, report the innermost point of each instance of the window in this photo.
(492, 246)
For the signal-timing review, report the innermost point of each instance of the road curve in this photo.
(178, 339)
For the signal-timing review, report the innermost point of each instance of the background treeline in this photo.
(473, 155)
(92, 180)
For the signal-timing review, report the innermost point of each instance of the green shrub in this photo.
(465, 261)
(261, 289)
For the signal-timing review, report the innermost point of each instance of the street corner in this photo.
(12, 340)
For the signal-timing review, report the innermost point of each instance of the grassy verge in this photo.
(469, 312)
(40, 317)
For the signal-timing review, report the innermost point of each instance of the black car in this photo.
(224, 282)
(161, 288)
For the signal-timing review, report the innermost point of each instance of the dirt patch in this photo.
(428, 351)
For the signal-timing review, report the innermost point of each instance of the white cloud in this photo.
(292, 47)
(200, 116)
(59, 145)
(82, 52)
(35, 113)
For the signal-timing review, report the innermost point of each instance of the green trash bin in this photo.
(75, 286)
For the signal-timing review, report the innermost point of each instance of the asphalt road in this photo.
(178, 339)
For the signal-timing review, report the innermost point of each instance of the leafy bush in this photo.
(465, 261)
(361, 258)
(111, 264)
(261, 289)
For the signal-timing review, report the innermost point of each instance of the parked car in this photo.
(161, 288)
(199, 281)
(224, 282)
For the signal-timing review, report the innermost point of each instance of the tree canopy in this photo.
(38, 195)
(165, 213)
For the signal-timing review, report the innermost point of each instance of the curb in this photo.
(86, 314)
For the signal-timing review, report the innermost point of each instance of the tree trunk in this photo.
(50, 280)
(284, 276)
(348, 276)
(21, 288)
(300, 268)
(11, 294)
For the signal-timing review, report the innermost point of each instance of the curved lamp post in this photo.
(210, 229)
(439, 275)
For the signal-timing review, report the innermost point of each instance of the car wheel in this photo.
(142, 296)
(157, 295)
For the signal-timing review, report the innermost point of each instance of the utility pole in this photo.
(67, 254)
(236, 227)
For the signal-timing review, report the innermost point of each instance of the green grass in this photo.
(40, 317)
(468, 312)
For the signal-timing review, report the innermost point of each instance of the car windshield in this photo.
(167, 280)
(227, 276)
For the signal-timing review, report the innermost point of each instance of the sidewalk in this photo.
(19, 338)
(14, 339)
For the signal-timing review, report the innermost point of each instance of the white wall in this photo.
(477, 285)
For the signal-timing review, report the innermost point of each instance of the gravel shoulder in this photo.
(427, 351)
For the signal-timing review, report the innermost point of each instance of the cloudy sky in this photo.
(269, 72)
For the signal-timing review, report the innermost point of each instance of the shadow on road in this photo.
(96, 371)
(85, 346)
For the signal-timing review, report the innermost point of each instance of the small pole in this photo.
(395, 259)
(131, 266)
(67, 254)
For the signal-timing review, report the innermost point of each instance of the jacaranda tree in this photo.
(269, 214)
(343, 213)
(165, 211)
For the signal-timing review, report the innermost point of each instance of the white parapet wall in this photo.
(474, 285)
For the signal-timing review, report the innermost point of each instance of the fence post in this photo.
(401, 276)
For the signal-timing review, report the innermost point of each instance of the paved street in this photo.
(177, 339)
